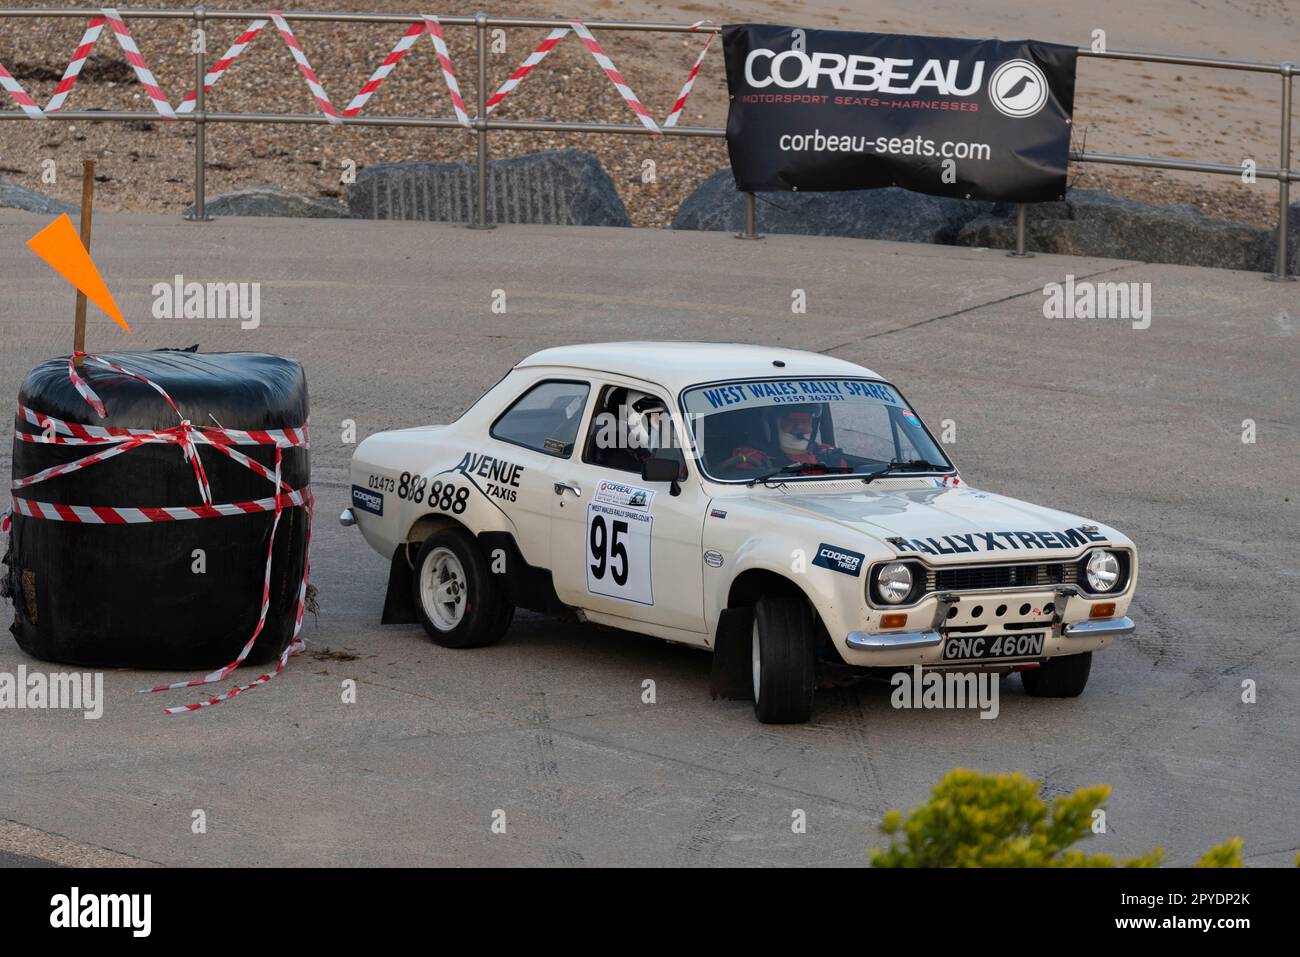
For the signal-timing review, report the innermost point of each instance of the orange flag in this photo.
(60, 246)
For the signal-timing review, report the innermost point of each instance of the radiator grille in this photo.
(976, 577)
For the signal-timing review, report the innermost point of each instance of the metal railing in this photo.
(481, 124)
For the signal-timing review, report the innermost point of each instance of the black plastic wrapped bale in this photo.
(91, 589)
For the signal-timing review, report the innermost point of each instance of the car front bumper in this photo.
(905, 648)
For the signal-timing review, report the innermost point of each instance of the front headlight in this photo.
(1103, 570)
(894, 583)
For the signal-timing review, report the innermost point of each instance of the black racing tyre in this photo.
(505, 615)
(456, 596)
(1063, 677)
(783, 660)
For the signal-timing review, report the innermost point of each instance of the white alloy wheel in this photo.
(757, 656)
(444, 589)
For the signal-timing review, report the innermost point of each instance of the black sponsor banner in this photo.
(827, 110)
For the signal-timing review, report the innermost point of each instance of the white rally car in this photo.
(788, 511)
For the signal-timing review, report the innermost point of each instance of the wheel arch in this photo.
(760, 582)
(755, 583)
(426, 524)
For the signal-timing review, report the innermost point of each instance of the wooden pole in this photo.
(87, 200)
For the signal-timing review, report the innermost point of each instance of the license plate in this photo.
(983, 647)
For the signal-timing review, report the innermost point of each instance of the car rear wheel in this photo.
(456, 596)
(783, 665)
(1063, 677)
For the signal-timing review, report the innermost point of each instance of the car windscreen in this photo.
(804, 426)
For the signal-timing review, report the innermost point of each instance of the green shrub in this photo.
(1227, 854)
(998, 820)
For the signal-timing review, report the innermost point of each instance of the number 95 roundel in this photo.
(619, 542)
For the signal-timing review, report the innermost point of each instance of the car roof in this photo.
(677, 365)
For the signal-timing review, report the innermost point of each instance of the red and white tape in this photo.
(19, 95)
(296, 645)
(675, 113)
(189, 437)
(429, 24)
(602, 58)
(527, 67)
(304, 67)
(448, 72)
(69, 80)
(605, 63)
(103, 515)
(390, 62)
(433, 27)
(134, 57)
(92, 434)
(122, 34)
(221, 66)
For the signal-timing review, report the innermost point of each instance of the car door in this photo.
(539, 431)
(621, 546)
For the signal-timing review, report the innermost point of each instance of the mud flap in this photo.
(732, 676)
(399, 602)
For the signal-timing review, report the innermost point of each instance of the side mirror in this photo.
(662, 467)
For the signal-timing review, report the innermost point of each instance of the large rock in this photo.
(564, 188)
(1292, 242)
(273, 201)
(1093, 223)
(888, 213)
(14, 196)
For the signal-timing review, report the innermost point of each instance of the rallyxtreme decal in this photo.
(999, 541)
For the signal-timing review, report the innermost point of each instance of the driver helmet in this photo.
(795, 426)
(643, 414)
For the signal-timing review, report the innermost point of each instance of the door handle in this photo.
(574, 487)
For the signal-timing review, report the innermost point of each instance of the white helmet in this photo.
(643, 414)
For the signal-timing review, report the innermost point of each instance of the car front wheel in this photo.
(1063, 677)
(783, 661)
(456, 596)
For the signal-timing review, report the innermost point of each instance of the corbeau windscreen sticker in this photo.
(754, 394)
(619, 542)
(832, 110)
(999, 541)
(839, 559)
(367, 501)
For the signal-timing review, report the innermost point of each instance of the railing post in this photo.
(480, 124)
(1020, 234)
(751, 219)
(1281, 267)
(200, 41)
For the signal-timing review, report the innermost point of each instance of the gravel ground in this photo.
(154, 172)
(147, 167)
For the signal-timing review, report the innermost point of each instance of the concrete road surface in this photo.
(394, 322)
